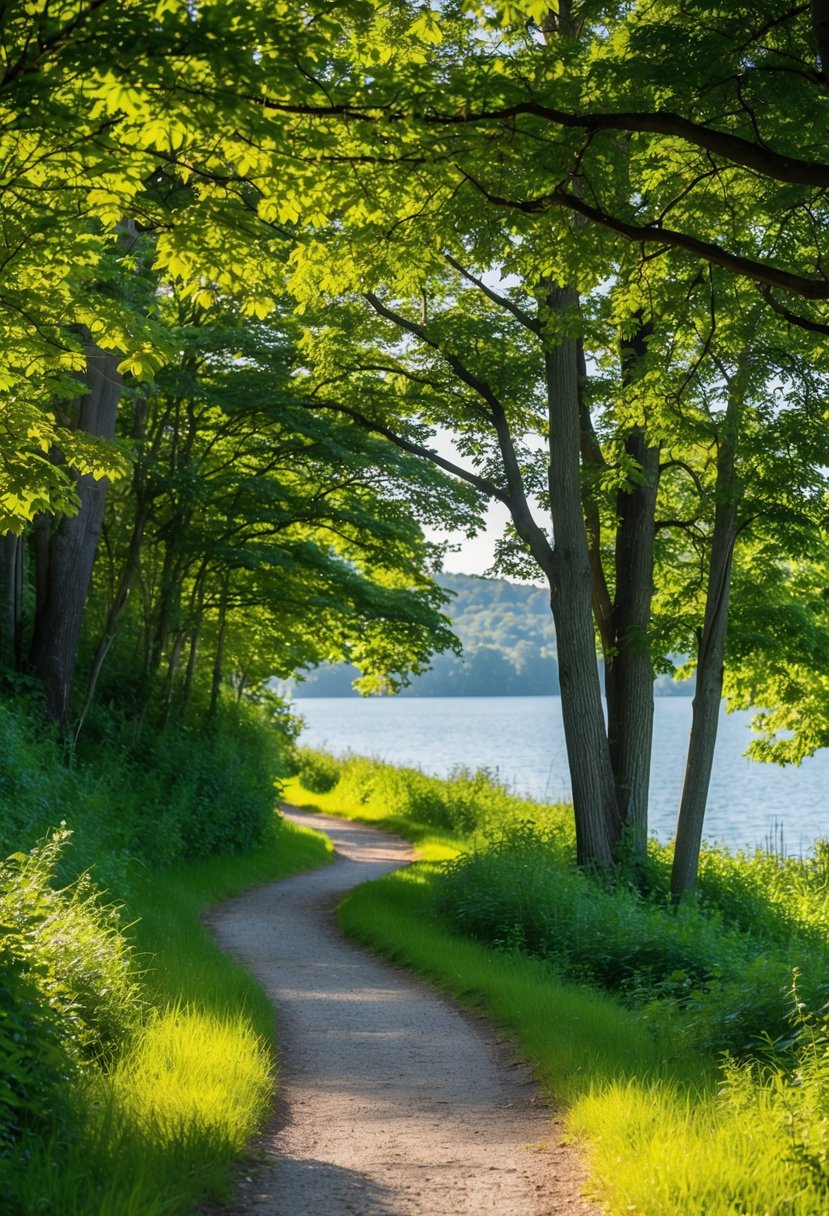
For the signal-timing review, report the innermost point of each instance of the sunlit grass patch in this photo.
(192, 1070)
(511, 928)
(440, 816)
(430, 844)
(654, 1151)
(160, 1129)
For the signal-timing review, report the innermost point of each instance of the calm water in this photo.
(523, 739)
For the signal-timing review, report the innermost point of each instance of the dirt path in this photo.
(391, 1102)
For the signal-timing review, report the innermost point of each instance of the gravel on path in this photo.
(391, 1101)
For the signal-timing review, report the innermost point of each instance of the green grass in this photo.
(161, 1128)
(430, 843)
(661, 1132)
(668, 1126)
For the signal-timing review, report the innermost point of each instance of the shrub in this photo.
(464, 803)
(152, 795)
(68, 993)
(715, 985)
(317, 771)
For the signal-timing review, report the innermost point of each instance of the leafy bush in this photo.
(150, 795)
(68, 992)
(208, 791)
(685, 968)
(464, 803)
(317, 771)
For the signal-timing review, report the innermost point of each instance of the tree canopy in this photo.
(256, 261)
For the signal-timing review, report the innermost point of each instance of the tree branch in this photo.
(814, 327)
(759, 272)
(529, 322)
(516, 499)
(482, 484)
(732, 148)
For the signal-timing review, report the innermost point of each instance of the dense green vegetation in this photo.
(282, 289)
(136, 1060)
(690, 1045)
(408, 263)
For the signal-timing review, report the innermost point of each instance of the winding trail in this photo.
(391, 1102)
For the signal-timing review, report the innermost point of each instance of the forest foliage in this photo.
(300, 284)
(282, 288)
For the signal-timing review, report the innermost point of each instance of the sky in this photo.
(474, 556)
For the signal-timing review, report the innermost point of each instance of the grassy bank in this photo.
(689, 1048)
(154, 1124)
(135, 1059)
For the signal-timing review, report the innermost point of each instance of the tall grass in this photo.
(135, 1059)
(622, 1004)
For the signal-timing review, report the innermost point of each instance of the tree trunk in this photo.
(119, 603)
(219, 653)
(594, 796)
(68, 552)
(628, 669)
(173, 665)
(190, 673)
(11, 598)
(710, 663)
(622, 623)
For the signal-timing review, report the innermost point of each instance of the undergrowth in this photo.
(136, 1060)
(139, 1100)
(151, 795)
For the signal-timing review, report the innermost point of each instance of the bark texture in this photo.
(628, 669)
(594, 795)
(66, 552)
(11, 591)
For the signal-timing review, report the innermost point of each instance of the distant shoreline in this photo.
(297, 695)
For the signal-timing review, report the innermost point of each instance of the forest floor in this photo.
(391, 1101)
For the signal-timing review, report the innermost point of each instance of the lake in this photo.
(522, 740)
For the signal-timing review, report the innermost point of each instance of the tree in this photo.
(428, 156)
(487, 122)
(259, 533)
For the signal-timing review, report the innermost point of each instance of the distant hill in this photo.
(509, 648)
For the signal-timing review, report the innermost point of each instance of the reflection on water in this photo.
(522, 739)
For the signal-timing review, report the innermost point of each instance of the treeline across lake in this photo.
(508, 649)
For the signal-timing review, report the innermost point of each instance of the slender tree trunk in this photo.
(628, 669)
(710, 663)
(190, 672)
(11, 596)
(69, 551)
(594, 795)
(219, 653)
(172, 667)
(119, 603)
